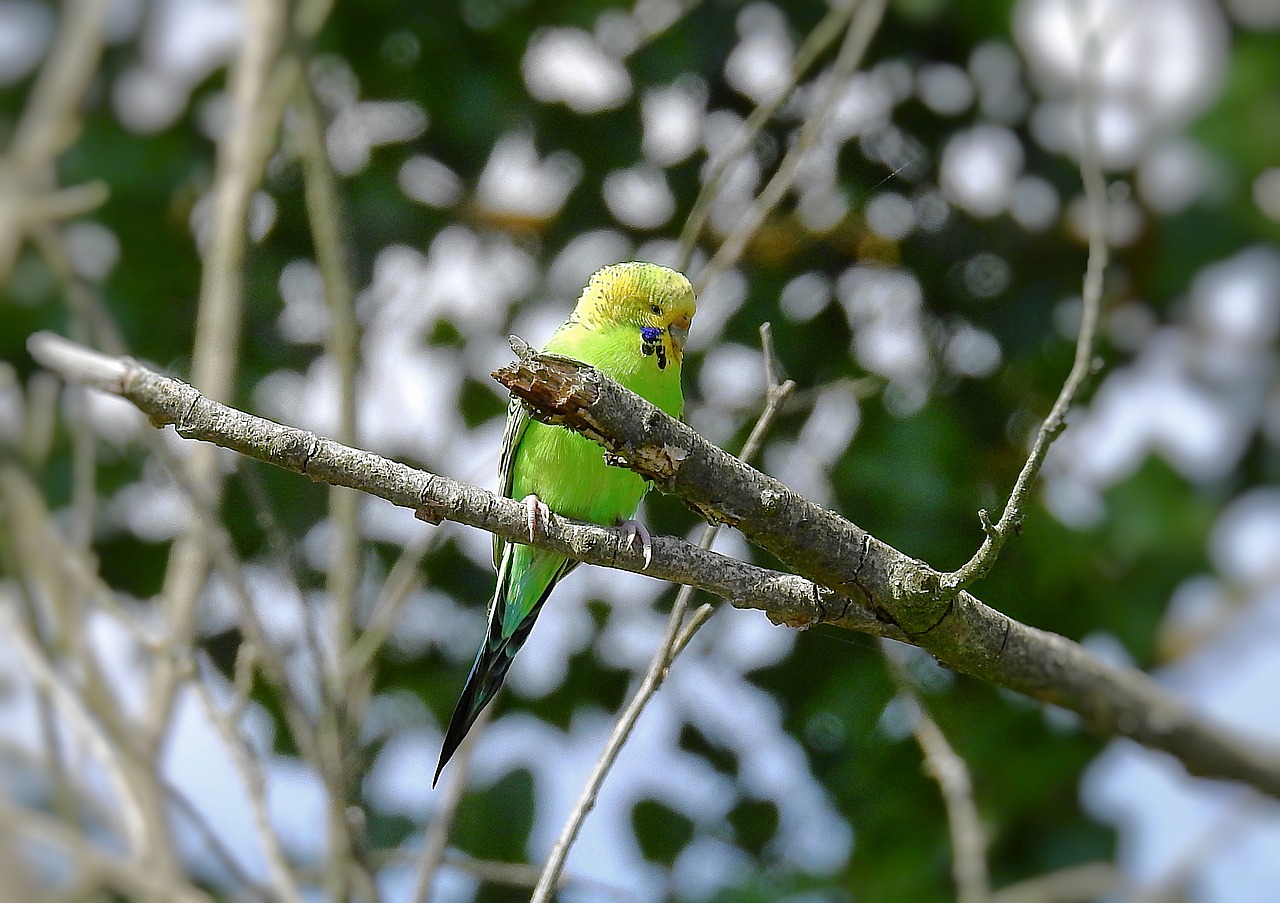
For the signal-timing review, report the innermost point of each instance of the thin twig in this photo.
(124, 877)
(88, 310)
(15, 562)
(1095, 192)
(255, 787)
(399, 583)
(217, 543)
(968, 839)
(675, 638)
(281, 548)
(48, 240)
(325, 221)
(66, 585)
(80, 532)
(242, 156)
(48, 563)
(818, 40)
(436, 840)
(1076, 884)
(862, 27)
(129, 808)
(213, 840)
(50, 121)
(653, 678)
(670, 16)
(1179, 877)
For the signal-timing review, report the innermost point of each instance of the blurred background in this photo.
(333, 215)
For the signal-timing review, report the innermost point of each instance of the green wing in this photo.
(517, 423)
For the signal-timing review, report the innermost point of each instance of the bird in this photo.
(631, 323)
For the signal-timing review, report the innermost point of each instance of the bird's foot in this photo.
(636, 531)
(536, 508)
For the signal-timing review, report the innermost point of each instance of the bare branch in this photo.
(850, 578)
(254, 782)
(37, 210)
(70, 704)
(862, 27)
(958, 629)
(123, 876)
(91, 368)
(213, 841)
(622, 728)
(1078, 884)
(55, 583)
(819, 39)
(785, 597)
(968, 839)
(241, 159)
(1180, 877)
(49, 123)
(325, 219)
(1095, 192)
(399, 583)
(436, 839)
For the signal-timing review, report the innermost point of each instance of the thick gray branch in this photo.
(786, 598)
(855, 581)
(958, 629)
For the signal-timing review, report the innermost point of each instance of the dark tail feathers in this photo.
(490, 668)
(484, 681)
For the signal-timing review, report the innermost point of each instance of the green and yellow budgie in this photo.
(630, 323)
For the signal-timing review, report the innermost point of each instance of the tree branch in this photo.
(1075, 884)
(242, 155)
(944, 764)
(862, 27)
(958, 629)
(50, 122)
(102, 869)
(435, 839)
(846, 577)
(819, 39)
(786, 598)
(1095, 193)
(337, 722)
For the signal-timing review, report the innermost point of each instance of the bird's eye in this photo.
(656, 309)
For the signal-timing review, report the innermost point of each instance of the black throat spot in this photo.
(655, 348)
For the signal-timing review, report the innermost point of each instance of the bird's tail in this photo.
(486, 677)
(493, 660)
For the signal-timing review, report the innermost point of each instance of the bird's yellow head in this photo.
(657, 301)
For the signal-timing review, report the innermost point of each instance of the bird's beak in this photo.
(679, 330)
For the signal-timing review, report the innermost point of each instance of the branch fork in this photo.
(925, 607)
(838, 566)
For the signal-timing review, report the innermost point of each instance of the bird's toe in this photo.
(535, 509)
(638, 532)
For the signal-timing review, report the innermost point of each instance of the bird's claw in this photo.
(635, 530)
(536, 508)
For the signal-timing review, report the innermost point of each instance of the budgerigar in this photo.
(631, 323)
